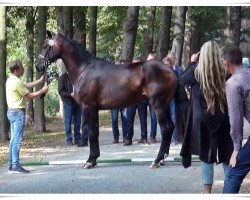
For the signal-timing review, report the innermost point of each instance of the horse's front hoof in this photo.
(154, 165)
(87, 165)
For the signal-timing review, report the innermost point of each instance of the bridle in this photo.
(47, 60)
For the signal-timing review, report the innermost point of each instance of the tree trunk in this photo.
(238, 10)
(92, 29)
(68, 21)
(179, 30)
(30, 22)
(195, 40)
(130, 26)
(186, 46)
(4, 126)
(148, 31)
(39, 103)
(228, 30)
(80, 25)
(164, 32)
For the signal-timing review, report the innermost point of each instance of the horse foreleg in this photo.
(93, 139)
(166, 127)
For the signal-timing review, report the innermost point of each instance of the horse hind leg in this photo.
(166, 127)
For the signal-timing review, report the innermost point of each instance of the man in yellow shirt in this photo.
(16, 91)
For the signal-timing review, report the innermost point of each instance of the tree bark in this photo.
(130, 26)
(148, 31)
(39, 103)
(164, 32)
(4, 126)
(228, 30)
(80, 25)
(179, 30)
(238, 10)
(30, 22)
(92, 29)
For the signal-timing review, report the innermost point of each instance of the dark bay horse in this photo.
(101, 85)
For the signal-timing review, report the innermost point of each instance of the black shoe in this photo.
(69, 143)
(19, 170)
(115, 141)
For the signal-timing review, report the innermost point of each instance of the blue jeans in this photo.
(17, 125)
(72, 110)
(115, 129)
(142, 112)
(236, 174)
(207, 172)
(153, 121)
(175, 137)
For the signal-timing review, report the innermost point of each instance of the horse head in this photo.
(50, 52)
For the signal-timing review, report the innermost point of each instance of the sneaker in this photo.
(82, 144)
(127, 142)
(10, 169)
(69, 143)
(19, 170)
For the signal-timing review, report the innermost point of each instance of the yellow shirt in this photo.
(15, 92)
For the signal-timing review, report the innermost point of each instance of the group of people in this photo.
(219, 101)
(128, 114)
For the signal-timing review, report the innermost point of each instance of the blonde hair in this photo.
(211, 75)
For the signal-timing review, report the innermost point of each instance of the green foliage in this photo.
(51, 101)
(110, 31)
(212, 21)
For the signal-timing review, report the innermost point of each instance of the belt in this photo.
(17, 109)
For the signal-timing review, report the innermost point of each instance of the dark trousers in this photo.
(114, 117)
(236, 174)
(142, 112)
(72, 110)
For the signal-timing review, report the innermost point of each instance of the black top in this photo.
(65, 88)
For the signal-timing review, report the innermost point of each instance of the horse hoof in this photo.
(154, 165)
(87, 165)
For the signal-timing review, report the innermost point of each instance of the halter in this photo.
(47, 62)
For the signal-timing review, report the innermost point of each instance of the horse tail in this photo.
(181, 109)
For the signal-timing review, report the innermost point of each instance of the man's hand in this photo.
(232, 162)
(72, 94)
(42, 79)
(194, 57)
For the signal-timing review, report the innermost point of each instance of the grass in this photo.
(53, 137)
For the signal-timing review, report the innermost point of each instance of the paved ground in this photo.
(169, 179)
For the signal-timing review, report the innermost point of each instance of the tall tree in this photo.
(228, 29)
(148, 32)
(41, 35)
(238, 16)
(179, 30)
(92, 29)
(30, 23)
(130, 26)
(3, 106)
(79, 17)
(164, 32)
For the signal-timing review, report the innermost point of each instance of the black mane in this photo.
(83, 55)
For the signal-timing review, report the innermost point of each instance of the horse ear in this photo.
(49, 35)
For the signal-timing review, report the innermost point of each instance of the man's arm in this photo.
(33, 95)
(235, 110)
(34, 83)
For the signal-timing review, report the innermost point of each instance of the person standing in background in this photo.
(169, 60)
(71, 109)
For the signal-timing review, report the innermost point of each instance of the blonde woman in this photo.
(207, 132)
